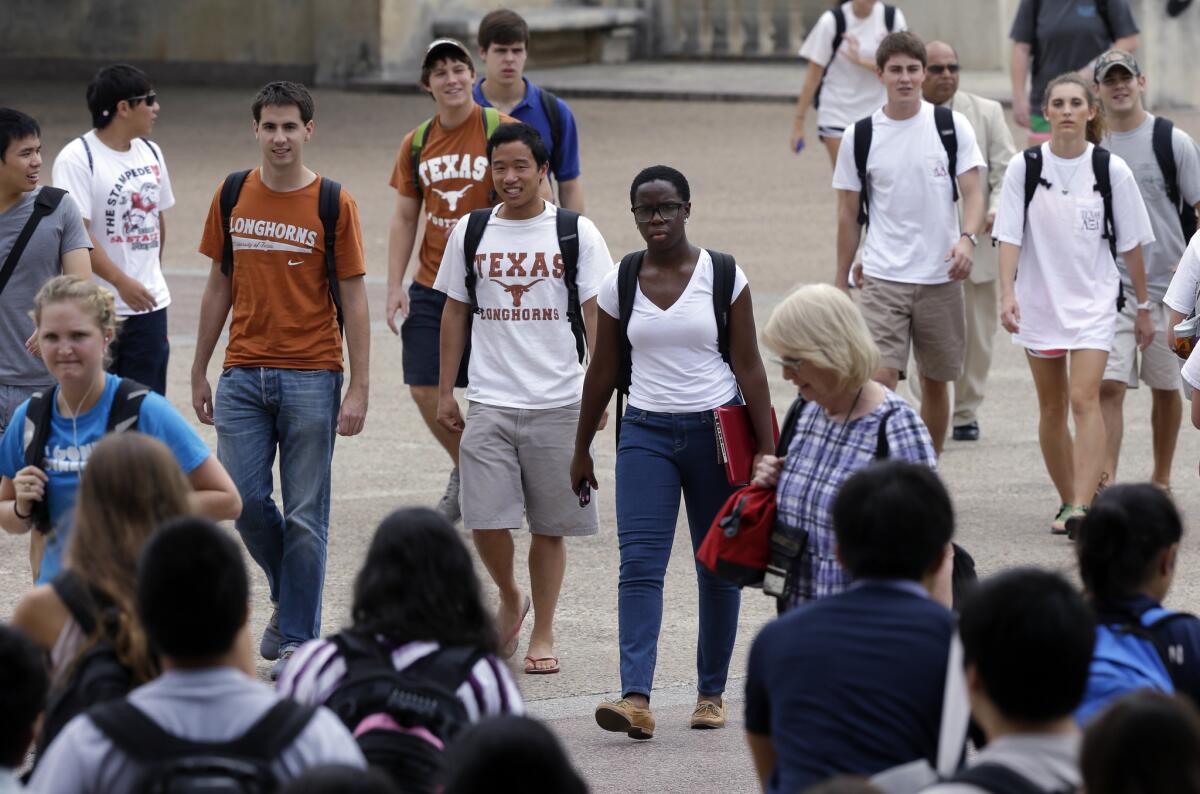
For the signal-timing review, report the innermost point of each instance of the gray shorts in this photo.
(1157, 365)
(513, 464)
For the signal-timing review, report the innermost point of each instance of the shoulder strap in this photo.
(491, 121)
(449, 666)
(88, 151)
(863, 131)
(1102, 12)
(724, 274)
(420, 135)
(554, 116)
(231, 188)
(38, 417)
(567, 223)
(76, 598)
(1033, 175)
(153, 151)
(883, 449)
(839, 32)
(126, 407)
(47, 201)
(787, 430)
(943, 118)
(329, 204)
(997, 779)
(274, 731)
(477, 222)
(627, 279)
(1100, 163)
(889, 18)
(1164, 153)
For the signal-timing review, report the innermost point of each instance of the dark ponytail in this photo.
(1125, 531)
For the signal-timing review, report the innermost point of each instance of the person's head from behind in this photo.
(192, 592)
(23, 686)
(821, 341)
(519, 161)
(283, 122)
(1027, 640)
(1147, 742)
(340, 779)
(660, 199)
(122, 94)
(1128, 544)
(20, 152)
(1120, 84)
(893, 520)
(900, 62)
(448, 74)
(76, 322)
(1073, 110)
(509, 753)
(503, 46)
(941, 73)
(418, 582)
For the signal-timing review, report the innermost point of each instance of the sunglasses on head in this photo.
(938, 68)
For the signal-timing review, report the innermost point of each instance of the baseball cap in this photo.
(439, 46)
(1112, 59)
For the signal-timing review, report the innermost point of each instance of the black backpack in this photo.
(554, 116)
(418, 699)
(172, 765)
(329, 198)
(1164, 153)
(568, 245)
(943, 119)
(1000, 779)
(839, 32)
(47, 201)
(122, 416)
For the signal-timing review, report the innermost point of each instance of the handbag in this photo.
(736, 442)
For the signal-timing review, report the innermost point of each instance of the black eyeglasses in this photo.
(938, 68)
(149, 98)
(668, 212)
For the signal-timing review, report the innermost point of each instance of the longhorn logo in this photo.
(452, 196)
(517, 291)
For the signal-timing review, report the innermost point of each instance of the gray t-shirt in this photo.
(1049, 762)
(1136, 148)
(1068, 34)
(57, 233)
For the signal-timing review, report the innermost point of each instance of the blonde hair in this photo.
(1097, 126)
(821, 325)
(90, 296)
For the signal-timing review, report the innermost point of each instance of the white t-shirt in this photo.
(676, 367)
(1181, 294)
(850, 92)
(523, 353)
(121, 195)
(1067, 281)
(914, 221)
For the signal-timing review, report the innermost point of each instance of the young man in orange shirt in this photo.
(281, 385)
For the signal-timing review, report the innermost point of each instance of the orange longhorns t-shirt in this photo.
(455, 177)
(283, 314)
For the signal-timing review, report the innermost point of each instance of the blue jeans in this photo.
(659, 455)
(256, 410)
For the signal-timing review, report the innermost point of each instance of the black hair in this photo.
(1121, 538)
(111, 85)
(509, 753)
(418, 583)
(16, 126)
(520, 133)
(341, 779)
(1146, 742)
(892, 520)
(192, 589)
(502, 26)
(1030, 635)
(844, 784)
(661, 172)
(281, 93)
(23, 686)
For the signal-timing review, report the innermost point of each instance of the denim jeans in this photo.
(659, 455)
(256, 410)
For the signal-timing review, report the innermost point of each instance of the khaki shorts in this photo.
(514, 464)
(1159, 366)
(929, 317)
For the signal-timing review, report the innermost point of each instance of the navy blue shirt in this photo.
(530, 111)
(852, 683)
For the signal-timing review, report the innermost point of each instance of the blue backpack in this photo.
(1128, 656)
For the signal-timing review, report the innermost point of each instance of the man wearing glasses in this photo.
(118, 177)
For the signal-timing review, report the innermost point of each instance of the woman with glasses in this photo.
(667, 441)
(843, 422)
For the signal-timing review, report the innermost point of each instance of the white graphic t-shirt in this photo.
(523, 352)
(121, 194)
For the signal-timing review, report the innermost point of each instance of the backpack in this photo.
(122, 416)
(1128, 656)
(839, 32)
(96, 675)
(47, 201)
(943, 119)
(402, 719)
(491, 120)
(1164, 153)
(173, 765)
(92, 163)
(329, 198)
(554, 116)
(568, 244)
(1000, 779)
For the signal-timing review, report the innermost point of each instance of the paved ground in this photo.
(752, 197)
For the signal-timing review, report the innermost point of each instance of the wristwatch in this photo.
(974, 240)
(1145, 307)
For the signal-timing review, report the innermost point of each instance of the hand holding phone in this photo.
(585, 494)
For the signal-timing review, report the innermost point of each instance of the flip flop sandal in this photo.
(531, 667)
(510, 643)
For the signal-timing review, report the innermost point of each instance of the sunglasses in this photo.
(938, 68)
(646, 213)
(150, 99)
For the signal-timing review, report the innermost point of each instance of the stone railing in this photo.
(723, 28)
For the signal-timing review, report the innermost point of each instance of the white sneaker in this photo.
(448, 505)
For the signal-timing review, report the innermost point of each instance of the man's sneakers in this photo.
(622, 716)
(268, 647)
(449, 506)
(708, 715)
(285, 656)
(967, 432)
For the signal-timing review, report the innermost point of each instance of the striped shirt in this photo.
(317, 669)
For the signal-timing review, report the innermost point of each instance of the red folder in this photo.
(736, 444)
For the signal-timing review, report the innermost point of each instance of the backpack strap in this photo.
(126, 406)
(553, 112)
(839, 33)
(863, 131)
(883, 449)
(420, 135)
(329, 203)
(231, 188)
(943, 118)
(88, 151)
(787, 430)
(889, 18)
(1033, 175)
(997, 779)
(1102, 12)
(449, 667)
(38, 417)
(567, 226)
(1100, 163)
(273, 732)
(1164, 153)
(627, 284)
(153, 151)
(724, 274)
(477, 222)
(77, 598)
(47, 201)
(491, 122)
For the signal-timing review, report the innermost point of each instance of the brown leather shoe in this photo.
(708, 715)
(621, 716)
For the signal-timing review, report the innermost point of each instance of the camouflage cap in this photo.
(1112, 59)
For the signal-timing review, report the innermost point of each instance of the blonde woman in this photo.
(845, 421)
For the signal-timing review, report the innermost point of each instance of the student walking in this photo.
(1063, 308)
(658, 318)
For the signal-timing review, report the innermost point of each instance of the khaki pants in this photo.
(982, 302)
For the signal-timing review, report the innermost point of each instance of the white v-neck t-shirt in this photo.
(676, 367)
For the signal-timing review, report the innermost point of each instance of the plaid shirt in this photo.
(823, 455)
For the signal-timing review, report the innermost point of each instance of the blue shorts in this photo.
(420, 336)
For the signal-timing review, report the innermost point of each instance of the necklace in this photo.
(1065, 183)
(75, 416)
